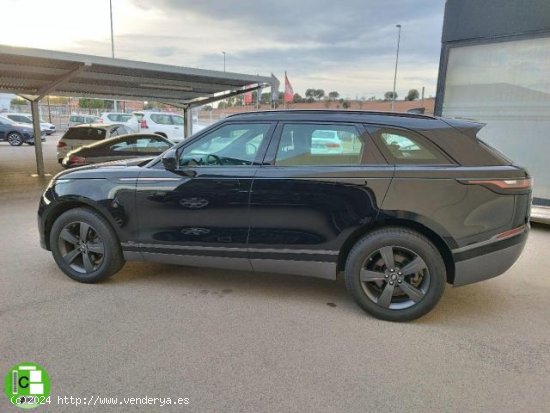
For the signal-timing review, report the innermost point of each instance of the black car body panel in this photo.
(304, 219)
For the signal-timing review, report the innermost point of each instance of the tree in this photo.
(412, 95)
(333, 95)
(346, 104)
(18, 101)
(310, 94)
(265, 98)
(319, 94)
(297, 98)
(91, 103)
(390, 95)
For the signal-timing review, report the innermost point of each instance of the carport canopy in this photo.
(35, 73)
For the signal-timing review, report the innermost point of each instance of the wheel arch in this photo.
(67, 205)
(441, 245)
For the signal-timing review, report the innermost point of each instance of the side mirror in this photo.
(170, 160)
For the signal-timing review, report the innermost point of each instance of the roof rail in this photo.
(333, 111)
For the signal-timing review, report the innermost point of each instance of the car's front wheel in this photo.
(85, 246)
(15, 139)
(395, 274)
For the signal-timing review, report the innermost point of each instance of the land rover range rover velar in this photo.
(405, 205)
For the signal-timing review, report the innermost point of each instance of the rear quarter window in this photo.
(91, 134)
(404, 147)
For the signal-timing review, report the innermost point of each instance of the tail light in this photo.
(511, 233)
(332, 145)
(516, 185)
(77, 160)
(143, 124)
(61, 144)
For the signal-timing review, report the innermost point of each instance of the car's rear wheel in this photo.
(395, 274)
(85, 246)
(15, 139)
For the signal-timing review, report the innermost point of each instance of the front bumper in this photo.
(489, 260)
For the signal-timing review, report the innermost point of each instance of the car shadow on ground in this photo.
(458, 305)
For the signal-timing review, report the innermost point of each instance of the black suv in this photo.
(399, 204)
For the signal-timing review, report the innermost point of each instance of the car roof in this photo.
(155, 112)
(98, 125)
(121, 137)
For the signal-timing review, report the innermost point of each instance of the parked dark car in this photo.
(136, 145)
(411, 203)
(16, 134)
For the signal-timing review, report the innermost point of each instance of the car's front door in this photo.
(312, 194)
(198, 214)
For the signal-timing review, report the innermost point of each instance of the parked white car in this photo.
(326, 142)
(45, 127)
(78, 119)
(125, 119)
(167, 124)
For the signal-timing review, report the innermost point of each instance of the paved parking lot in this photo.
(234, 341)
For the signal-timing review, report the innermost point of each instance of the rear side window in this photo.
(117, 117)
(178, 120)
(319, 144)
(85, 134)
(406, 147)
(162, 119)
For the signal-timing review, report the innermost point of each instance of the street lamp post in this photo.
(223, 61)
(396, 60)
(112, 42)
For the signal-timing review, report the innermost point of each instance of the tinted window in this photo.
(92, 134)
(117, 117)
(178, 120)
(314, 144)
(162, 119)
(407, 147)
(233, 144)
(142, 144)
(20, 118)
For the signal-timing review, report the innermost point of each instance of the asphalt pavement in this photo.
(241, 342)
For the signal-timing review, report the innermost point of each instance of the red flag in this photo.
(289, 92)
(248, 98)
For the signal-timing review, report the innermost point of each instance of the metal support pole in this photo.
(396, 61)
(37, 138)
(188, 122)
(112, 43)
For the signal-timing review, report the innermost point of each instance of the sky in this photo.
(343, 45)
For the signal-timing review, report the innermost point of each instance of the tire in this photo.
(405, 292)
(101, 246)
(15, 139)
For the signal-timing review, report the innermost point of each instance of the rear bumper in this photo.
(488, 260)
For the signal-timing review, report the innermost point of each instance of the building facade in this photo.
(495, 68)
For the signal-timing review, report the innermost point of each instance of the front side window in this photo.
(407, 147)
(229, 145)
(314, 144)
(20, 119)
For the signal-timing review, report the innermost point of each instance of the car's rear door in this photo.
(305, 203)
